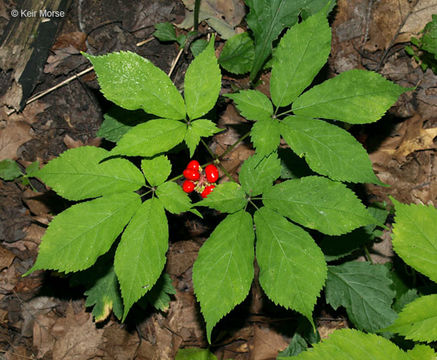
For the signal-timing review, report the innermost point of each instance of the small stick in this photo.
(175, 61)
(145, 41)
(45, 92)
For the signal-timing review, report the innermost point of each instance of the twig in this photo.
(175, 61)
(368, 13)
(145, 41)
(45, 92)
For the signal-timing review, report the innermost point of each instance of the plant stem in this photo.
(285, 113)
(216, 160)
(208, 149)
(254, 205)
(232, 147)
(367, 254)
(148, 192)
(196, 15)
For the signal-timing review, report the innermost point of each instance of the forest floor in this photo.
(41, 317)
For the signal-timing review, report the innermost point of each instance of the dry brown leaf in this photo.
(386, 18)
(8, 279)
(29, 114)
(35, 202)
(183, 254)
(76, 336)
(222, 15)
(18, 353)
(159, 342)
(266, 343)
(119, 343)
(420, 15)
(327, 326)
(6, 258)
(423, 140)
(76, 39)
(59, 55)
(32, 309)
(183, 318)
(43, 339)
(12, 137)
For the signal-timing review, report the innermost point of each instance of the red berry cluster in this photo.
(199, 180)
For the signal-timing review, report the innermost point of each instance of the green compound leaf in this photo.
(9, 170)
(414, 237)
(140, 256)
(283, 252)
(156, 170)
(151, 138)
(417, 321)
(194, 354)
(118, 121)
(365, 291)
(223, 271)
(422, 352)
(267, 19)
(79, 235)
(328, 149)
(355, 97)
(429, 38)
(165, 32)
(133, 82)
(266, 136)
(198, 46)
(258, 173)
(105, 296)
(173, 198)
(348, 344)
(227, 197)
(318, 203)
(252, 104)
(238, 54)
(300, 55)
(159, 296)
(196, 130)
(79, 174)
(202, 83)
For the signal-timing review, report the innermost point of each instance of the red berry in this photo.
(188, 186)
(211, 173)
(193, 165)
(191, 174)
(207, 191)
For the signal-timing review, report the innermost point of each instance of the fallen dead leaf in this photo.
(118, 343)
(18, 353)
(222, 15)
(327, 326)
(266, 343)
(59, 55)
(420, 15)
(32, 309)
(12, 137)
(76, 39)
(6, 258)
(76, 336)
(35, 202)
(8, 279)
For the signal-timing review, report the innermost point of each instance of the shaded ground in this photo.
(42, 318)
